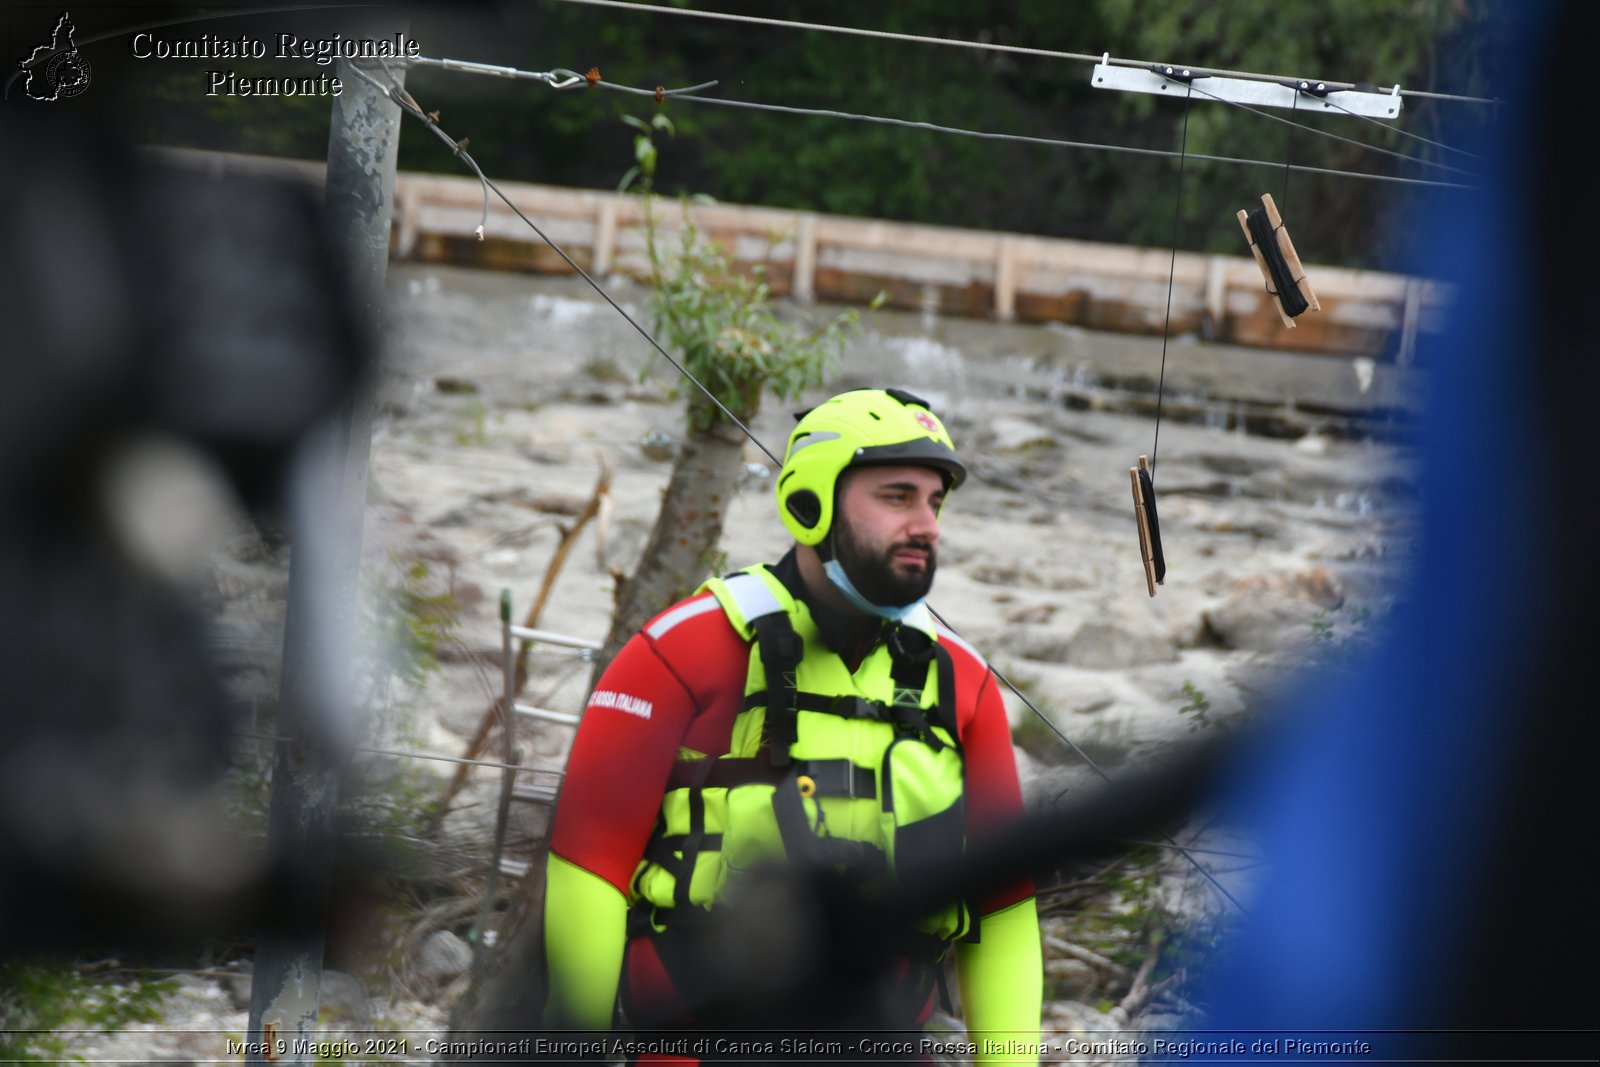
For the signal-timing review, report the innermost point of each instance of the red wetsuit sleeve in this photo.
(679, 682)
(620, 759)
(994, 796)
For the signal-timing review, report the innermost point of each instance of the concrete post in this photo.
(329, 496)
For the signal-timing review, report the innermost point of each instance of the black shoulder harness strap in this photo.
(912, 650)
(781, 650)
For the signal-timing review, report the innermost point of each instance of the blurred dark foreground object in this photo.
(171, 338)
(1423, 820)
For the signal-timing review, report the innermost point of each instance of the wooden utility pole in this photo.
(315, 709)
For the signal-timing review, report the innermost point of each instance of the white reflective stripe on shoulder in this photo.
(946, 634)
(681, 613)
(751, 596)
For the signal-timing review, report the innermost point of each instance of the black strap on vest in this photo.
(912, 651)
(799, 842)
(947, 700)
(828, 777)
(781, 650)
(846, 707)
(664, 850)
(695, 840)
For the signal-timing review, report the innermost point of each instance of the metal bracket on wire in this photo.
(1172, 81)
(560, 78)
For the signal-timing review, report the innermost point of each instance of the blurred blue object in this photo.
(1425, 821)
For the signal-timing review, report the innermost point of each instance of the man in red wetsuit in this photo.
(881, 749)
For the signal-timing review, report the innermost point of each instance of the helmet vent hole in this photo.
(875, 416)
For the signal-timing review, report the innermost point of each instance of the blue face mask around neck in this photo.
(841, 581)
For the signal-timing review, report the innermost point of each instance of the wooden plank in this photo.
(805, 258)
(1216, 293)
(1005, 280)
(408, 204)
(605, 236)
(1008, 276)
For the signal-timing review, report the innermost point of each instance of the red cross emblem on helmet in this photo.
(926, 422)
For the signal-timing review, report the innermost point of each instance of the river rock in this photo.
(443, 956)
(1012, 434)
(236, 979)
(342, 996)
(1269, 612)
(1071, 978)
(1109, 645)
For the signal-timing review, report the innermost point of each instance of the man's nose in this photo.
(924, 522)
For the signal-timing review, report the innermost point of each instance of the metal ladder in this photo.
(510, 633)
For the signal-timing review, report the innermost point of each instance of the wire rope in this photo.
(562, 79)
(1404, 133)
(1058, 142)
(1330, 134)
(986, 46)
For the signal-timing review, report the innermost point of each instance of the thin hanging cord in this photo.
(1172, 269)
(1288, 150)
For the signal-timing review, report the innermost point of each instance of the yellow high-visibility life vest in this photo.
(862, 769)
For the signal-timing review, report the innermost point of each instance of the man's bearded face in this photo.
(889, 572)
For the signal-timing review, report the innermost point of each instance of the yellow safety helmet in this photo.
(855, 429)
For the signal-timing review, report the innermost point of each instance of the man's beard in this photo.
(873, 574)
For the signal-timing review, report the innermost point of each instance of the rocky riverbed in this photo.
(505, 396)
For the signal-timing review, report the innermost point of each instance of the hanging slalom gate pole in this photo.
(327, 500)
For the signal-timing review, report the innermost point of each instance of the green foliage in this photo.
(1332, 647)
(476, 431)
(405, 619)
(717, 318)
(410, 619)
(1196, 705)
(38, 1001)
(1140, 909)
(392, 805)
(603, 369)
(1032, 733)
